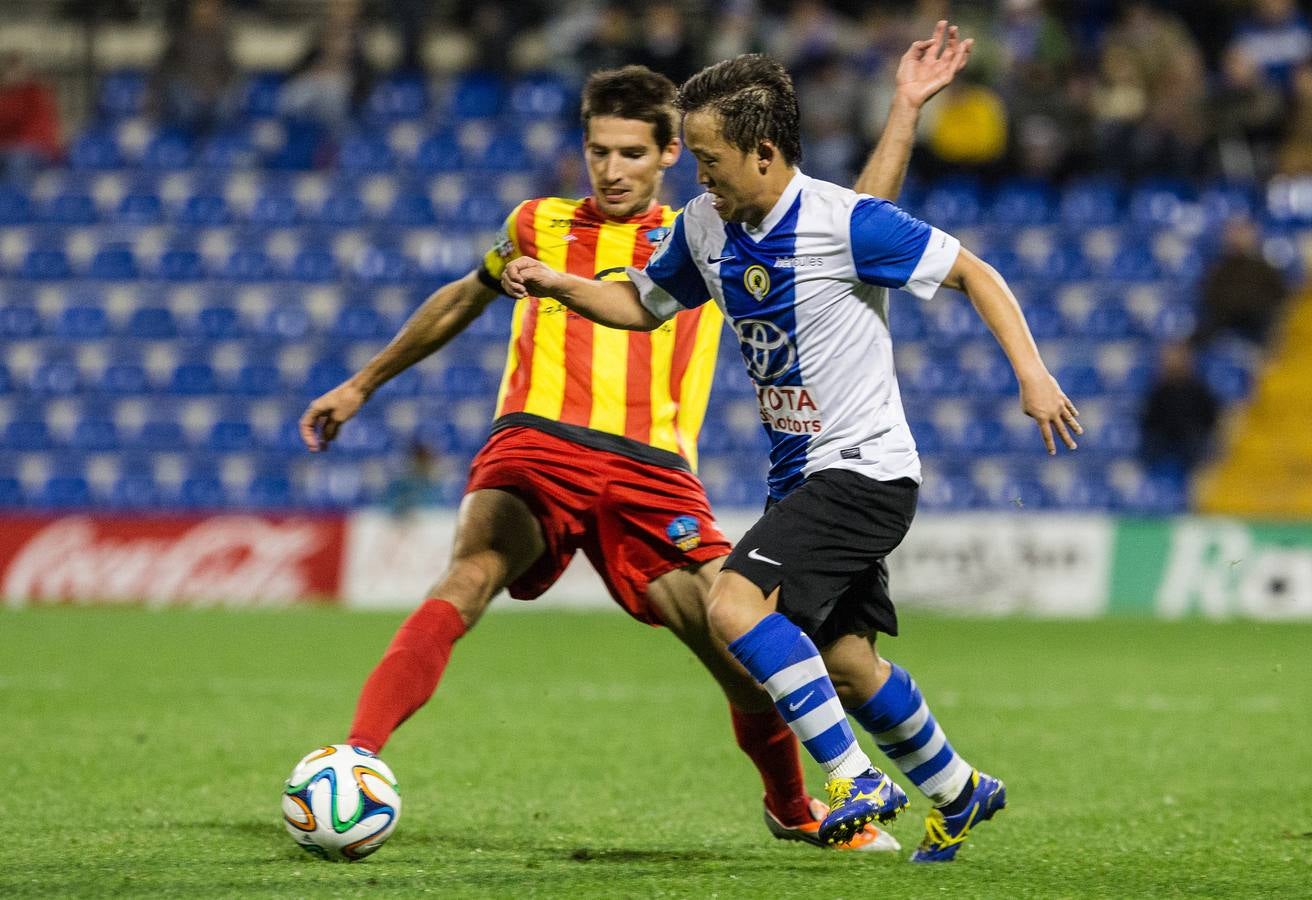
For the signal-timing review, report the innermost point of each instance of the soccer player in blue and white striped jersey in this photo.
(801, 269)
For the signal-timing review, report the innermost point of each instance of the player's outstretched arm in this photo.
(446, 313)
(926, 68)
(611, 303)
(1040, 395)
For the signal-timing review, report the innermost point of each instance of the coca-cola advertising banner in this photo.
(237, 560)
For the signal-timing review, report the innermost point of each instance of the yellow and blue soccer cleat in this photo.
(944, 835)
(869, 797)
(868, 840)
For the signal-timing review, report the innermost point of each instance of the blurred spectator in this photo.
(1295, 156)
(809, 32)
(1179, 414)
(966, 129)
(415, 486)
(829, 94)
(29, 118)
(1247, 115)
(664, 44)
(332, 80)
(194, 81)
(1242, 293)
(1149, 106)
(1276, 37)
(609, 44)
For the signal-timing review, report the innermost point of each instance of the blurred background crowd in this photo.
(1136, 168)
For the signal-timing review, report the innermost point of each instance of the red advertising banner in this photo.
(238, 560)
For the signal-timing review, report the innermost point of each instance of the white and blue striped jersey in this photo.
(807, 294)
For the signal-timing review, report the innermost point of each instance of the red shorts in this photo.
(633, 520)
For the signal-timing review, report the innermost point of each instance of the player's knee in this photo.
(469, 585)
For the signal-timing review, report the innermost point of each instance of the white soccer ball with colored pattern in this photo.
(341, 803)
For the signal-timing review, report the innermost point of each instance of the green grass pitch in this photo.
(582, 755)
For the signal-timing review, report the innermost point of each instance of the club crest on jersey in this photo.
(685, 532)
(656, 235)
(757, 281)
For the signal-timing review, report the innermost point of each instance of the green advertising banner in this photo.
(1212, 567)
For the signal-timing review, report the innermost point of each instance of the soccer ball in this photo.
(341, 803)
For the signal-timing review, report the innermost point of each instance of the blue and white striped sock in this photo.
(907, 734)
(782, 658)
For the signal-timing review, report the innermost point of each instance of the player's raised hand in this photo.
(930, 65)
(325, 416)
(1044, 401)
(526, 276)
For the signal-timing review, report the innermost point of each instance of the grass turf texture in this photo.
(580, 755)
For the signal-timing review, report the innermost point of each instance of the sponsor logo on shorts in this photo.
(685, 532)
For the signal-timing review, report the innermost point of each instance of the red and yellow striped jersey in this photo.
(642, 394)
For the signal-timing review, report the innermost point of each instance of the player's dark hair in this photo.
(633, 92)
(755, 99)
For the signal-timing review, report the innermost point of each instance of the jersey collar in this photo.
(780, 208)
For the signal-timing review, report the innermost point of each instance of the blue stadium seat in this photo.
(505, 153)
(465, 382)
(55, 378)
(323, 376)
(270, 490)
(122, 94)
(169, 150)
(231, 436)
(11, 493)
(45, 265)
(193, 378)
(1023, 203)
(539, 95)
(906, 322)
(82, 323)
(134, 490)
(140, 208)
(219, 323)
(15, 205)
(161, 435)
(1159, 201)
(95, 150)
(479, 210)
(274, 209)
(1092, 202)
(28, 435)
(229, 149)
(954, 203)
(114, 263)
(314, 264)
(949, 491)
(6, 383)
(95, 434)
(181, 265)
(249, 265)
(259, 380)
(152, 323)
(287, 323)
(396, 98)
(124, 379)
(1231, 382)
(364, 437)
(1079, 380)
(437, 436)
(19, 320)
(203, 210)
(359, 323)
(365, 154)
(202, 491)
(342, 210)
(260, 94)
(64, 492)
(477, 95)
(439, 153)
(412, 210)
(380, 265)
(71, 208)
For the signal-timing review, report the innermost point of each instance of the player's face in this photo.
(625, 163)
(734, 178)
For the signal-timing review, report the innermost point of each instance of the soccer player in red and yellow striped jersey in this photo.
(594, 439)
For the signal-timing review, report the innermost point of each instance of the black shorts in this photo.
(824, 545)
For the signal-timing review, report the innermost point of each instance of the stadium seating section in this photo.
(169, 304)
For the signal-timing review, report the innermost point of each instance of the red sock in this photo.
(772, 747)
(408, 673)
